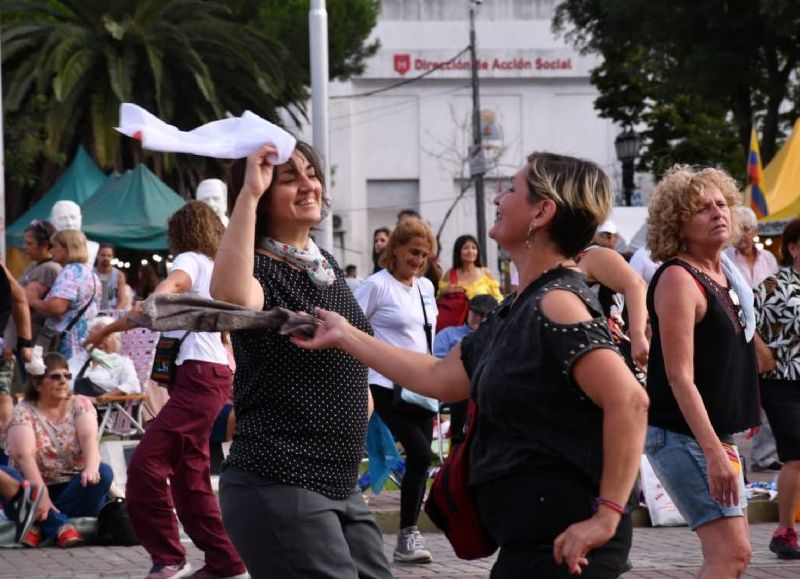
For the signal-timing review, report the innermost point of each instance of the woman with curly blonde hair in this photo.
(176, 444)
(702, 377)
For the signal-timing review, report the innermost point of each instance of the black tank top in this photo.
(725, 370)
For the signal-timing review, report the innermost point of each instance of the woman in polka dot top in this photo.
(288, 488)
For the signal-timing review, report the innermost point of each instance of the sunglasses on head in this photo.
(55, 376)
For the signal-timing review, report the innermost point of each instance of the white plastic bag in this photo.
(663, 512)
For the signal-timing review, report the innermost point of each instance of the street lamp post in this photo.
(627, 145)
(318, 52)
(477, 160)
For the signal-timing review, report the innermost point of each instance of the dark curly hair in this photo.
(235, 179)
(52, 361)
(195, 227)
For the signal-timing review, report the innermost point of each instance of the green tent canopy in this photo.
(78, 183)
(132, 213)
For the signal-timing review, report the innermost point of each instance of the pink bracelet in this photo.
(613, 505)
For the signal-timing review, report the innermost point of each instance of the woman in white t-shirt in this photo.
(399, 303)
(176, 444)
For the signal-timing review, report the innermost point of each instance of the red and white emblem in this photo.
(402, 63)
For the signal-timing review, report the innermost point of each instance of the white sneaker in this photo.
(169, 571)
(411, 547)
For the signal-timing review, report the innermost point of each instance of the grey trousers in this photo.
(289, 532)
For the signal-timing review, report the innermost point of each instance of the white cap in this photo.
(608, 226)
(99, 322)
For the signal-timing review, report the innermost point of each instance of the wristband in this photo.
(24, 343)
(613, 505)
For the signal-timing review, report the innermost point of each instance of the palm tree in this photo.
(188, 61)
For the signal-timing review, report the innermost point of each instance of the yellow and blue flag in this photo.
(755, 175)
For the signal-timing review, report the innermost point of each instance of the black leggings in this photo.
(416, 435)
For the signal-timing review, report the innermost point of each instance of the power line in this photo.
(403, 82)
(412, 98)
(394, 108)
(420, 202)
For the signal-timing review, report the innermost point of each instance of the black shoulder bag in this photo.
(84, 386)
(164, 366)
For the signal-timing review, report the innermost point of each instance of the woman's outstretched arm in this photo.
(443, 379)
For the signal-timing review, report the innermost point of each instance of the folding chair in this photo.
(122, 414)
(139, 344)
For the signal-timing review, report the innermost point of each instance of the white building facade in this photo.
(406, 147)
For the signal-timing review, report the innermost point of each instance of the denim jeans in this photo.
(681, 467)
(70, 498)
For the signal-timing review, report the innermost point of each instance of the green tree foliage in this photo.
(349, 25)
(68, 64)
(696, 74)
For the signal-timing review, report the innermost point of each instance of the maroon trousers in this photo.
(175, 447)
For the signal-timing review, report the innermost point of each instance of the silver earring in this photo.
(530, 236)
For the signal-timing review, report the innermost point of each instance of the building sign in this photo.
(491, 64)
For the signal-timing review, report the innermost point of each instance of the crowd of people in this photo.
(588, 363)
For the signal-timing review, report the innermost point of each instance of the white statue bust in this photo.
(67, 215)
(214, 193)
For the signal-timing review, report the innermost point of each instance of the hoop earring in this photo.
(530, 236)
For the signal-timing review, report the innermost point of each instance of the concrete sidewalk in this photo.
(660, 553)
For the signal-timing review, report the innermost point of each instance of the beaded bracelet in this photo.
(613, 505)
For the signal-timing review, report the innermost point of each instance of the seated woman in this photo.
(104, 367)
(52, 440)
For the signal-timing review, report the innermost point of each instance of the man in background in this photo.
(351, 277)
(114, 296)
(607, 235)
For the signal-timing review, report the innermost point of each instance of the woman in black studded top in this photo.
(561, 420)
(288, 488)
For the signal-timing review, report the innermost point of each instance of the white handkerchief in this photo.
(232, 138)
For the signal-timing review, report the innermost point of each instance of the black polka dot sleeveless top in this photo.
(301, 415)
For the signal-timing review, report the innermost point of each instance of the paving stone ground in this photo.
(661, 553)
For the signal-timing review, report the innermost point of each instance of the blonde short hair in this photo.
(581, 191)
(677, 197)
(402, 235)
(75, 244)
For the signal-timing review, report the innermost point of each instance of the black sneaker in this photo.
(23, 507)
(784, 544)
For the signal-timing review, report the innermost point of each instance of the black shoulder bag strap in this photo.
(83, 369)
(77, 318)
(427, 325)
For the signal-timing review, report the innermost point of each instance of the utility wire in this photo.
(403, 82)
(411, 98)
